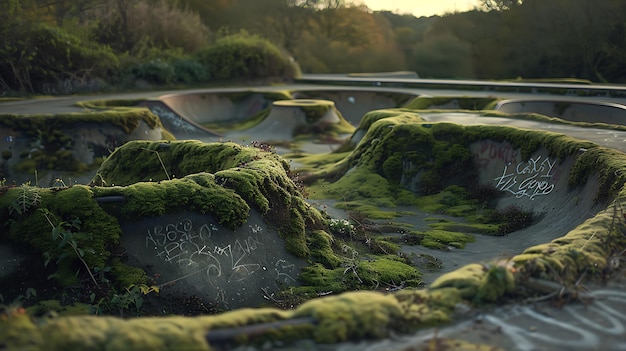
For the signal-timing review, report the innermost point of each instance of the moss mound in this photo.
(259, 177)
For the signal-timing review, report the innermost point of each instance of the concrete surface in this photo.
(193, 255)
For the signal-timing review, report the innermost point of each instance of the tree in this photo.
(442, 56)
(500, 5)
(63, 10)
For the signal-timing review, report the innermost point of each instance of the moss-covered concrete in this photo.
(34, 125)
(349, 316)
(451, 102)
(396, 156)
(223, 180)
(67, 143)
(588, 251)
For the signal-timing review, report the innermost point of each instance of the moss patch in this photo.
(96, 230)
(259, 177)
(352, 316)
(126, 119)
(197, 192)
(464, 103)
(52, 148)
(442, 239)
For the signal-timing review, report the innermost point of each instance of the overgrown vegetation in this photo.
(141, 43)
(80, 245)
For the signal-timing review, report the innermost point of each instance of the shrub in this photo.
(190, 72)
(163, 25)
(39, 58)
(154, 71)
(246, 57)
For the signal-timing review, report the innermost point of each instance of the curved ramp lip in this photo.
(158, 101)
(558, 101)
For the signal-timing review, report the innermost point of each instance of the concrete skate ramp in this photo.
(181, 127)
(545, 179)
(186, 114)
(354, 104)
(575, 111)
(290, 118)
(194, 255)
(210, 107)
(540, 184)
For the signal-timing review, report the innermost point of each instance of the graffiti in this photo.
(191, 249)
(528, 179)
(284, 270)
(237, 252)
(573, 327)
(491, 151)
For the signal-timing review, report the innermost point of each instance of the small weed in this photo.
(67, 232)
(131, 300)
(341, 226)
(28, 198)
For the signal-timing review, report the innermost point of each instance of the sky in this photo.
(421, 7)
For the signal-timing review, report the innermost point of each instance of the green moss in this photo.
(586, 250)
(351, 316)
(198, 192)
(475, 225)
(498, 281)
(466, 280)
(608, 164)
(359, 273)
(320, 244)
(52, 148)
(233, 177)
(44, 307)
(371, 209)
(50, 126)
(390, 271)
(464, 103)
(441, 239)
(126, 275)
(105, 104)
(97, 228)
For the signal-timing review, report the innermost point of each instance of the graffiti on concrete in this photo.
(489, 151)
(530, 179)
(573, 327)
(183, 245)
(192, 254)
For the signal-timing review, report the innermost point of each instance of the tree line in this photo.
(76, 45)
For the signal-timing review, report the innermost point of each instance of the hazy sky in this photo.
(421, 7)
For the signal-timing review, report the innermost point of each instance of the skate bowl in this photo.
(172, 222)
(571, 183)
(190, 115)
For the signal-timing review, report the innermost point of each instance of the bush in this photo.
(154, 71)
(190, 72)
(164, 26)
(38, 58)
(246, 57)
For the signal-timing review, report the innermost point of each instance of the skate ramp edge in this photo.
(575, 111)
